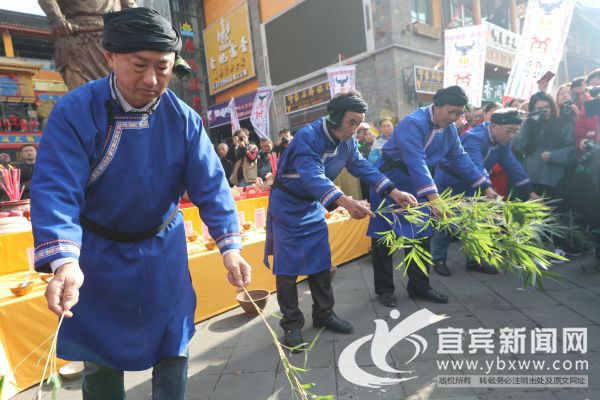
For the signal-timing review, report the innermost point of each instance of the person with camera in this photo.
(547, 144)
(285, 137)
(587, 140)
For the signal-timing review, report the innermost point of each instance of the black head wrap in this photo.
(350, 101)
(507, 116)
(136, 29)
(453, 95)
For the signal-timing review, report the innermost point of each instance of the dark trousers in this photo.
(169, 380)
(287, 296)
(383, 270)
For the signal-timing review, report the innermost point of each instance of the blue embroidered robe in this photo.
(126, 172)
(420, 146)
(485, 154)
(297, 234)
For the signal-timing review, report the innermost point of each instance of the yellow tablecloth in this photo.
(13, 252)
(13, 246)
(25, 322)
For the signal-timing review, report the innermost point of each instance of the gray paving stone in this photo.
(324, 380)
(232, 355)
(255, 385)
(350, 391)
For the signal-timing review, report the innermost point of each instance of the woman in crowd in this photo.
(547, 144)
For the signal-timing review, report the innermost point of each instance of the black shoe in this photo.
(441, 268)
(293, 339)
(333, 323)
(575, 251)
(429, 295)
(483, 268)
(387, 299)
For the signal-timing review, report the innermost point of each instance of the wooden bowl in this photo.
(210, 244)
(22, 290)
(260, 297)
(46, 277)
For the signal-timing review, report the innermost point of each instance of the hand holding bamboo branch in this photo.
(62, 292)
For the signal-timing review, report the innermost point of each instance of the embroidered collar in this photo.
(329, 136)
(128, 108)
(431, 121)
(492, 141)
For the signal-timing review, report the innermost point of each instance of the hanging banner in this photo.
(235, 122)
(540, 49)
(464, 62)
(260, 111)
(341, 79)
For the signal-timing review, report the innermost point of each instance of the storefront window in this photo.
(421, 11)
(457, 13)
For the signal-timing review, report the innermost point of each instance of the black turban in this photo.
(136, 29)
(453, 95)
(507, 116)
(342, 103)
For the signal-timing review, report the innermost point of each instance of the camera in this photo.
(590, 149)
(566, 110)
(592, 107)
(536, 115)
(285, 140)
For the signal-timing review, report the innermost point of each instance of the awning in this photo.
(218, 115)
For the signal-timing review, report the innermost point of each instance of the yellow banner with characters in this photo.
(228, 47)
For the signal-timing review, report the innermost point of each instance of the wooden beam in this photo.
(8, 44)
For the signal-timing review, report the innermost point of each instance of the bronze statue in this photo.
(77, 28)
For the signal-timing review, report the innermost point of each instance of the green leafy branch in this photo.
(293, 374)
(507, 235)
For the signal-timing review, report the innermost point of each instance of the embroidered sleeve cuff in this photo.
(330, 196)
(384, 187)
(229, 241)
(48, 252)
(425, 190)
(482, 182)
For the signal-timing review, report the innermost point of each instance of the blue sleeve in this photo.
(207, 187)
(475, 149)
(461, 162)
(58, 186)
(409, 139)
(306, 160)
(364, 170)
(514, 170)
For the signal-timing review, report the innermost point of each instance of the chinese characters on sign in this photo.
(428, 80)
(228, 47)
(308, 97)
(493, 90)
(512, 340)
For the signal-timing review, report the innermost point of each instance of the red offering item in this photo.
(11, 184)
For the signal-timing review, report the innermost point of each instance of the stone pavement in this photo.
(232, 356)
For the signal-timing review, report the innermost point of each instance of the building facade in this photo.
(397, 47)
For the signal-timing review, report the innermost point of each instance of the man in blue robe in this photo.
(297, 234)
(419, 143)
(487, 144)
(115, 158)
